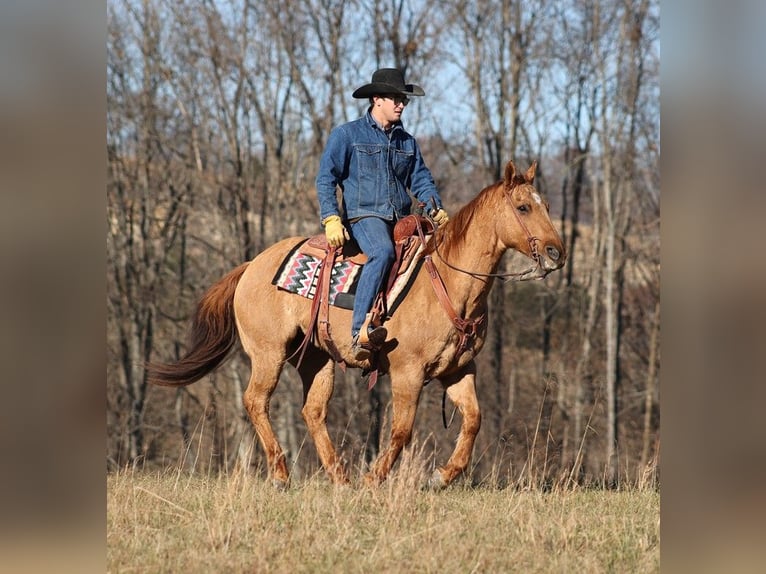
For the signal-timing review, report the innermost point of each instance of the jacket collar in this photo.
(371, 121)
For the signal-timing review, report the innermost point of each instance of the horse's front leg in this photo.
(404, 405)
(462, 392)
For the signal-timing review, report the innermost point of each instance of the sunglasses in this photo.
(404, 100)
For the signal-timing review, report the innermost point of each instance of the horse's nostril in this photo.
(553, 253)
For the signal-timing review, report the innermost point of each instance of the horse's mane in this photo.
(451, 237)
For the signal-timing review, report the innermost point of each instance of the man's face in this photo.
(392, 106)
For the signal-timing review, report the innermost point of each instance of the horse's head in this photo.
(527, 224)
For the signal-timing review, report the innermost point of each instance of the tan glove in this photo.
(334, 231)
(441, 217)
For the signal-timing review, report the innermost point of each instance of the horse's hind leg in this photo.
(263, 381)
(318, 373)
(462, 393)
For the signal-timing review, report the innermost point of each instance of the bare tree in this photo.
(573, 62)
(620, 70)
(146, 209)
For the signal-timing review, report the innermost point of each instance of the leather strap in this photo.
(324, 306)
(373, 378)
(468, 328)
(320, 312)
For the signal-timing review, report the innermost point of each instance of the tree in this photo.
(148, 195)
(622, 76)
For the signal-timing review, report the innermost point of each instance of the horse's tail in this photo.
(213, 334)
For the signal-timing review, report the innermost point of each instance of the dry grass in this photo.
(177, 522)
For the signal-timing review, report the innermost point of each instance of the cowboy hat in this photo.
(388, 81)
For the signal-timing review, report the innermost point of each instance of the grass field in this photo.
(179, 522)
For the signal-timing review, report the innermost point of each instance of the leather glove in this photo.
(440, 217)
(334, 231)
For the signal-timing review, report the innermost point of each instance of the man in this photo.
(377, 165)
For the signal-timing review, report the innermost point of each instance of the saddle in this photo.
(409, 234)
(405, 232)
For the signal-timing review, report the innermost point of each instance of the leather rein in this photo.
(518, 276)
(468, 328)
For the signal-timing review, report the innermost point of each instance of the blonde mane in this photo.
(451, 238)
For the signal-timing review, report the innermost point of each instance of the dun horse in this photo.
(430, 335)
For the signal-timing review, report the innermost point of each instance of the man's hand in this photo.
(440, 217)
(334, 231)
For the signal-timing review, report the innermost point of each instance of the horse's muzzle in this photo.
(550, 260)
(552, 253)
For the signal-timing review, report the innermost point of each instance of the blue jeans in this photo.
(374, 236)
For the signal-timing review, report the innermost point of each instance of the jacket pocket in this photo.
(369, 158)
(403, 162)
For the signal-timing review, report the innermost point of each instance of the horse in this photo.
(434, 334)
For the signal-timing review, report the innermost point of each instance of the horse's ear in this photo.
(510, 171)
(530, 177)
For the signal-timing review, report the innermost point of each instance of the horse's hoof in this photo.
(437, 482)
(341, 480)
(372, 480)
(342, 483)
(280, 485)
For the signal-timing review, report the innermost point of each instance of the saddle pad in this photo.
(299, 274)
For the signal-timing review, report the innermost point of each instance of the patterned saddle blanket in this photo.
(300, 270)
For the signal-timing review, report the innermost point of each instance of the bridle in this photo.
(468, 329)
(527, 275)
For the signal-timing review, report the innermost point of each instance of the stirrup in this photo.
(360, 352)
(368, 342)
(374, 338)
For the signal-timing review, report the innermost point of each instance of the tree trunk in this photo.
(651, 375)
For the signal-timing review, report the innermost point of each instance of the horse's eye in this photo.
(523, 208)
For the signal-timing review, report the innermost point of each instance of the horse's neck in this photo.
(464, 269)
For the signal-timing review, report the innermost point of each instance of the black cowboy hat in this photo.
(388, 81)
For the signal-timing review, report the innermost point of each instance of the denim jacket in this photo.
(373, 170)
